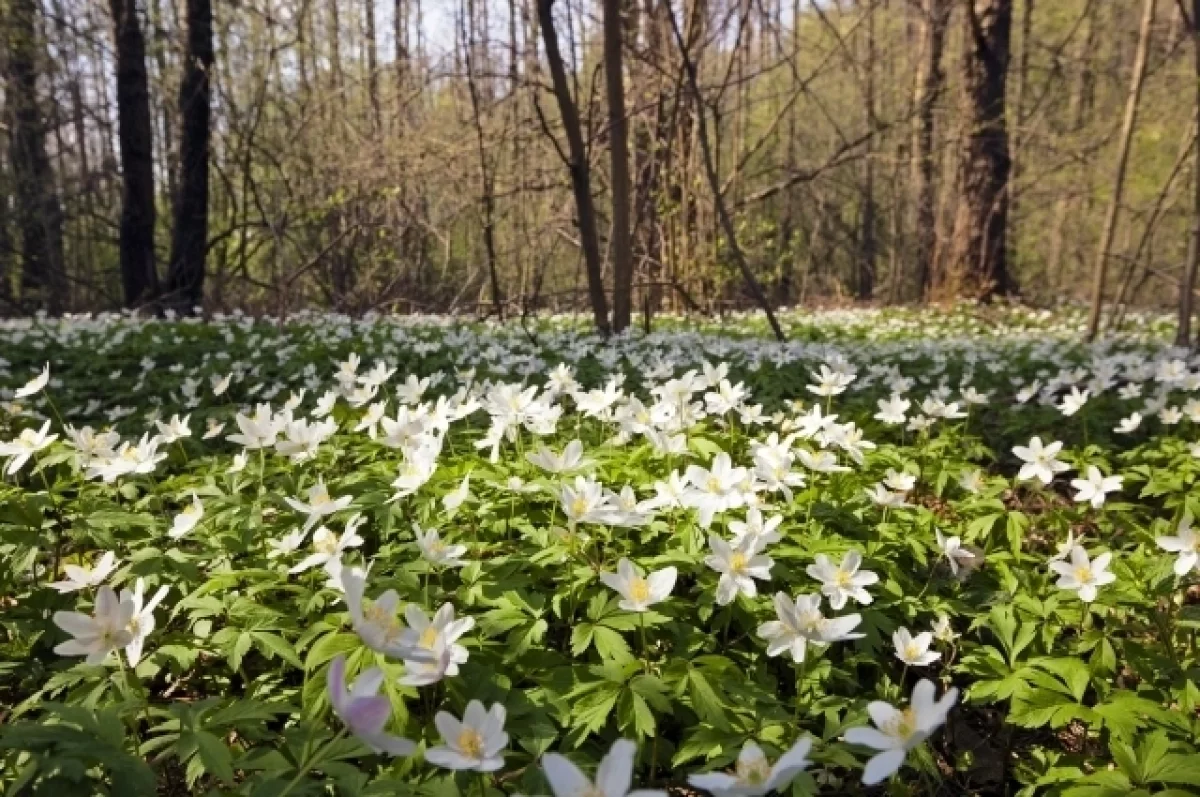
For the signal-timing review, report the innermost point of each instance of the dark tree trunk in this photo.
(865, 283)
(1183, 335)
(622, 245)
(577, 165)
(139, 276)
(930, 82)
(979, 259)
(189, 239)
(38, 212)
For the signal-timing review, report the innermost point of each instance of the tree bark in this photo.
(930, 81)
(1100, 273)
(979, 251)
(618, 131)
(189, 240)
(865, 283)
(139, 274)
(1183, 336)
(38, 212)
(577, 166)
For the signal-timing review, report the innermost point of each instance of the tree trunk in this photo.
(1183, 336)
(372, 64)
(867, 251)
(930, 81)
(139, 274)
(618, 130)
(38, 212)
(979, 257)
(1020, 94)
(1114, 204)
(577, 165)
(189, 240)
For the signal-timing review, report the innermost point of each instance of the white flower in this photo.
(820, 462)
(1129, 424)
(1064, 548)
(571, 458)
(900, 482)
(364, 711)
(220, 384)
(898, 731)
(177, 429)
(476, 743)
(882, 496)
(801, 622)
(843, 581)
(738, 566)
(639, 593)
(238, 464)
(81, 578)
(286, 544)
(320, 504)
(34, 385)
(1096, 487)
(186, 520)
(1073, 402)
(375, 621)
(1186, 543)
(614, 776)
(328, 546)
(753, 774)
(436, 552)
(141, 625)
(97, 635)
(257, 431)
(892, 411)
(438, 637)
(24, 446)
(942, 630)
(756, 528)
(456, 497)
(1040, 461)
(972, 481)
(586, 502)
(1084, 575)
(914, 650)
(951, 548)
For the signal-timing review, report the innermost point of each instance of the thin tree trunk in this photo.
(1114, 204)
(189, 240)
(618, 130)
(372, 65)
(867, 252)
(577, 166)
(1018, 127)
(139, 274)
(714, 184)
(1183, 336)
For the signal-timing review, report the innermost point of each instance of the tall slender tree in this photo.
(38, 211)
(189, 239)
(139, 274)
(618, 132)
(979, 251)
(1128, 122)
(1183, 335)
(577, 166)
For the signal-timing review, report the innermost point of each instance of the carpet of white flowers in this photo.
(907, 553)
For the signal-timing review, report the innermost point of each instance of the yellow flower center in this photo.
(911, 651)
(639, 590)
(737, 562)
(842, 579)
(470, 742)
(325, 545)
(428, 637)
(385, 621)
(754, 772)
(1083, 574)
(714, 484)
(903, 725)
(579, 506)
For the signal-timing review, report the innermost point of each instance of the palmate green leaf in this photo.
(611, 645)
(1036, 708)
(705, 700)
(328, 647)
(215, 755)
(274, 645)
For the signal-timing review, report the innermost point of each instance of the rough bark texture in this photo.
(979, 264)
(1183, 336)
(189, 240)
(38, 212)
(931, 79)
(618, 128)
(139, 275)
(577, 165)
